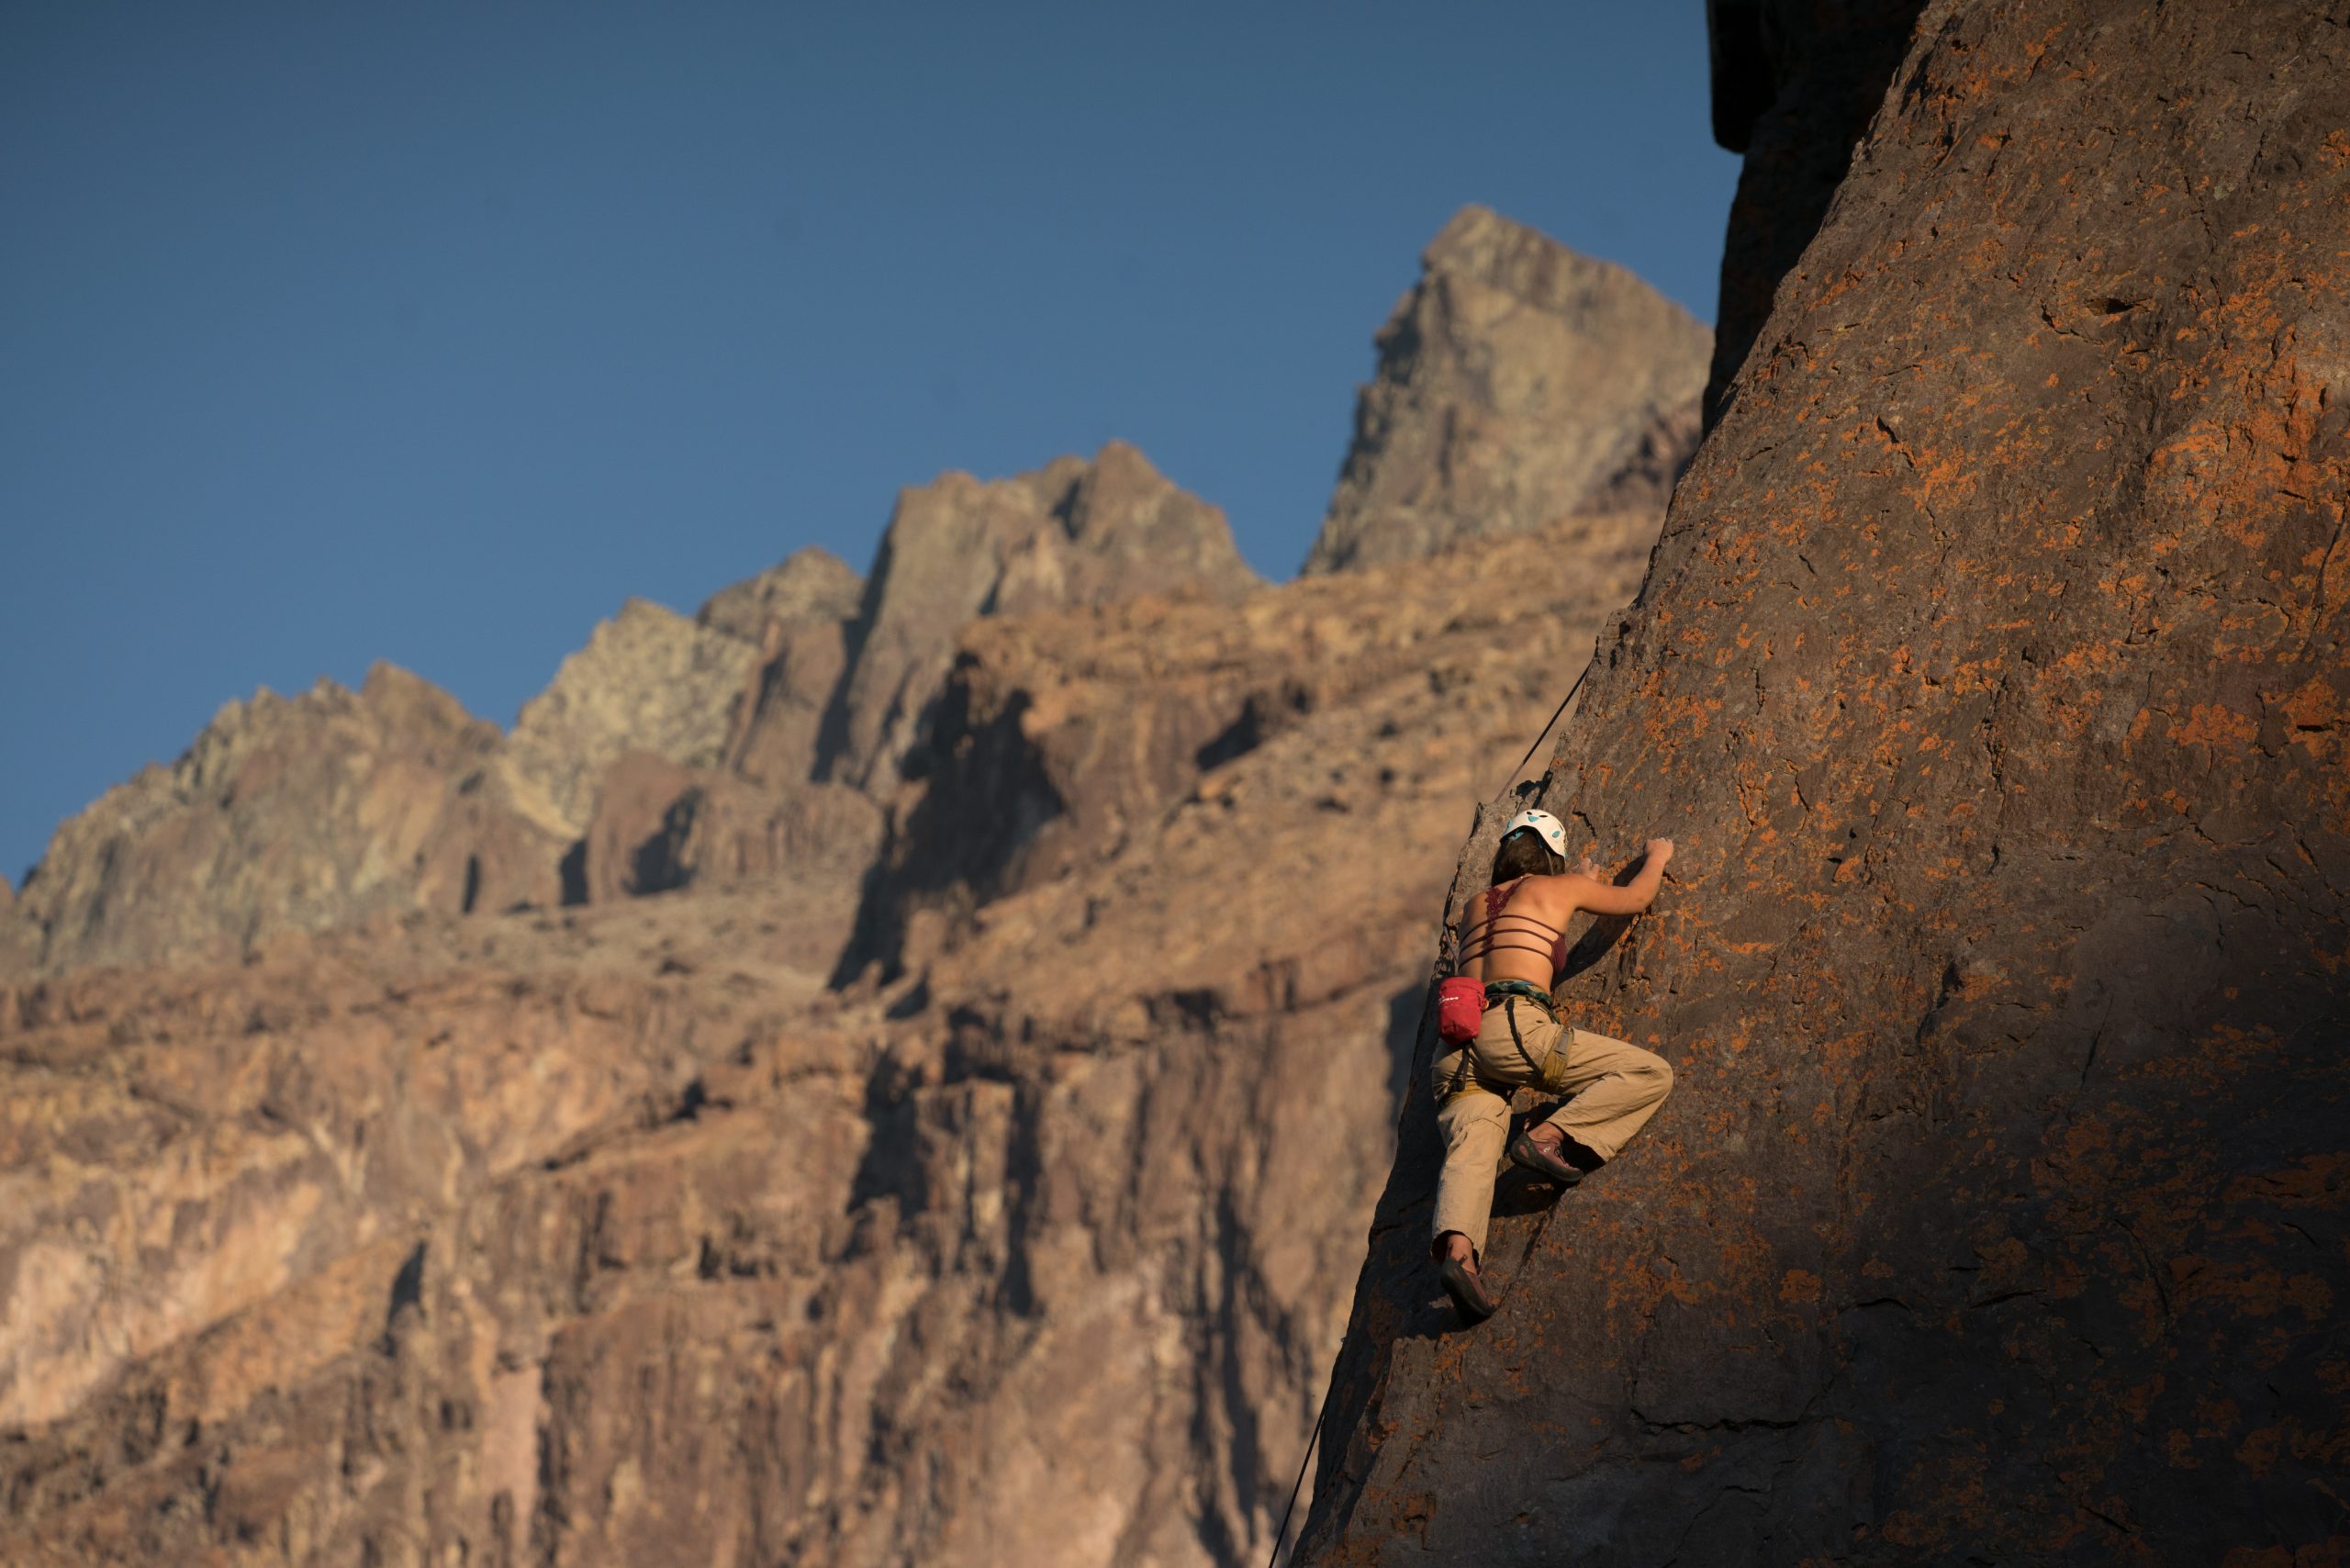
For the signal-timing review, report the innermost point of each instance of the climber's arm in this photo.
(1606, 897)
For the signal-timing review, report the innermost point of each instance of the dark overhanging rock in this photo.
(1795, 82)
(1990, 671)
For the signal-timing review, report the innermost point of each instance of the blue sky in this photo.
(430, 332)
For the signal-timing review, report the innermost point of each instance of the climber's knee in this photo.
(1655, 1075)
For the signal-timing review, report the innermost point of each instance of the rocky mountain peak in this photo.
(285, 813)
(809, 585)
(1518, 382)
(306, 813)
(1074, 533)
(649, 679)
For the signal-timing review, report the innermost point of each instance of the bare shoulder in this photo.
(1560, 895)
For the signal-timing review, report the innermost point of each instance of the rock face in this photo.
(1991, 675)
(659, 826)
(1072, 532)
(791, 692)
(335, 807)
(602, 1235)
(419, 1191)
(287, 813)
(1795, 82)
(809, 587)
(18, 939)
(1062, 738)
(798, 615)
(648, 680)
(1518, 383)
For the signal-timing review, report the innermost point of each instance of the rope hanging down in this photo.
(1282, 1534)
(1545, 731)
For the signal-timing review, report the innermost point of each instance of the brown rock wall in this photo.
(660, 827)
(649, 680)
(1063, 739)
(1802, 79)
(1989, 673)
(286, 813)
(798, 615)
(577, 1236)
(19, 941)
(810, 587)
(333, 807)
(801, 666)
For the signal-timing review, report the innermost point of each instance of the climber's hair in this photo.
(1523, 853)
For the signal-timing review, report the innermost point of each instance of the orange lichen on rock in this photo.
(2031, 1136)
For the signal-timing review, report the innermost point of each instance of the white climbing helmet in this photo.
(1554, 831)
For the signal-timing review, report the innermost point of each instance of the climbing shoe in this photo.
(1467, 1290)
(1525, 1151)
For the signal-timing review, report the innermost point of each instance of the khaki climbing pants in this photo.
(1615, 1088)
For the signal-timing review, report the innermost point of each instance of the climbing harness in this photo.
(1462, 1001)
(1524, 989)
(1523, 993)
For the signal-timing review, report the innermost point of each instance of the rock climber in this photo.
(1513, 938)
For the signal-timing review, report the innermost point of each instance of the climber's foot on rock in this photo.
(1457, 1267)
(1545, 1156)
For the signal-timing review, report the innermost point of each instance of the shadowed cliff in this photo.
(1990, 673)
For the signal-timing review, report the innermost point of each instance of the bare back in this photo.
(1517, 930)
(1525, 938)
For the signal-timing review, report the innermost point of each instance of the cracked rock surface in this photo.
(1990, 673)
(613, 1234)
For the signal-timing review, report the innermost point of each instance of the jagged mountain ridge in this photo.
(611, 1227)
(1534, 384)
(309, 811)
(512, 1204)
(1070, 533)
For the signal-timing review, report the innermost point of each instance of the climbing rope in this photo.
(1545, 731)
(1282, 1534)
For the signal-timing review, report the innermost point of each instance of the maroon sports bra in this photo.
(1489, 941)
